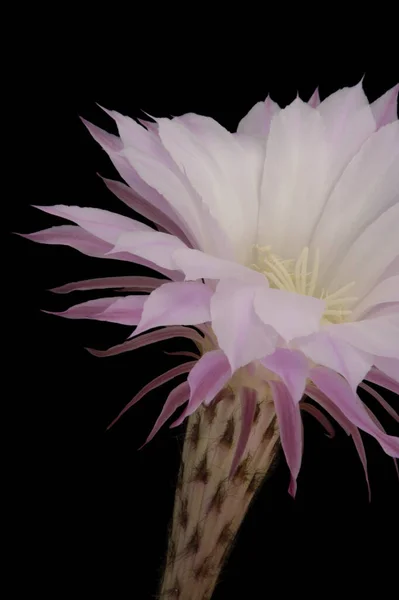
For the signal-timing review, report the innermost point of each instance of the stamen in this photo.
(315, 273)
(339, 292)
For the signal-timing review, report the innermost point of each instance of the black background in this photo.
(91, 511)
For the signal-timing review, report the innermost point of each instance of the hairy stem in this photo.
(209, 506)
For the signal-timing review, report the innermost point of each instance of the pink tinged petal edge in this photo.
(113, 146)
(176, 398)
(382, 379)
(257, 121)
(176, 303)
(388, 367)
(325, 350)
(384, 109)
(158, 381)
(340, 393)
(124, 311)
(292, 367)
(320, 417)
(83, 241)
(209, 375)
(199, 265)
(157, 247)
(248, 406)
(377, 422)
(381, 400)
(150, 338)
(290, 425)
(239, 331)
(291, 315)
(128, 284)
(145, 208)
(104, 224)
(314, 100)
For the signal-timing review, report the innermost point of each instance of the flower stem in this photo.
(210, 506)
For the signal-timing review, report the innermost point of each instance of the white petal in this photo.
(293, 184)
(379, 336)
(224, 173)
(367, 188)
(257, 121)
(369, 255)
(385, 291)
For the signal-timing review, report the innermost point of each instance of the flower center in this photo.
(300, 277)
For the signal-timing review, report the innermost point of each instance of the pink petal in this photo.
(85, 242)
(130, 284)
(125, 311)
(145, 208)
(320, 417)
(103, 224)
(340, 393)
(362, 455)
(113, 145)
(384, 109)
(290, 425)
(150, 338)
(388, 366)
(176, 303)
(152, 245)
(379, 336)
(314, 100)
(291, 315)
(346, 425)
(176, 398)
(384, 380)
(257, 121)
(158, 381)
(108, 141)
(326, 350)
(381, 400)
(208, 376)
(198, 265)
(292, 367)
(86, 310)
(248, 406)
(239, 331)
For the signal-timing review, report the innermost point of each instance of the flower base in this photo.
(209, 505)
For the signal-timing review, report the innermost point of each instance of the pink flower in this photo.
(280, 242)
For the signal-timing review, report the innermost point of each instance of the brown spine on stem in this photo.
(209, 505)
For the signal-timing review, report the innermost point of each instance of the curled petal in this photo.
(150, 338)
(378, 377)
(320, 417)
(290, 425)
(176, 398)
(131, 284)
(381, 400)
(158, 381)
(340, 393)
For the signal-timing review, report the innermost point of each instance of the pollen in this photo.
(301, 277)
